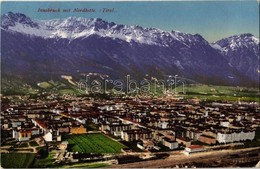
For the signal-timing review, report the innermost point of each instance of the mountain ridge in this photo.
(90, 45)
(78, 27)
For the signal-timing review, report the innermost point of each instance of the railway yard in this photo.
(222, 158)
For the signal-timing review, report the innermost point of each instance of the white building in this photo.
(16, 124)
(48, 137)
(171, 144)
(141, 146)
(163, 125)
(194, 149)
(82, 121)
(224, 123)
(230, 137)
(25, 135)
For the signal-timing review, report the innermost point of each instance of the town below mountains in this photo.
(52, 130)
(56, 112)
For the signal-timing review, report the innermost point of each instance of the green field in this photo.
(47, 162)
(93, 143)
(257, 134)
(209, 92)
(23, 145)
(200, 91)
(33, 143)
(16, 87)
(16, 160)
(220, 93)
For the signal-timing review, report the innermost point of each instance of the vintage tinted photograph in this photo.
(130, 84)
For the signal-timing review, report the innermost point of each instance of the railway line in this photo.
(221, 158)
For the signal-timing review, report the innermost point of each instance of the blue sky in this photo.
(212, 19)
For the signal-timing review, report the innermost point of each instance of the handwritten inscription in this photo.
(74, 10)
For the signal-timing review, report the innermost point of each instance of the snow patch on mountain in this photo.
(73, 28)
(236, 42)
(218, 47)
(30, 30)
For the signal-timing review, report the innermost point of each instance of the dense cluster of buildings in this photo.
(150, 122)
(180, 123)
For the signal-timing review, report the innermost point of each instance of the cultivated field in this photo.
(93, 143)
(16, 160)
(220, 93)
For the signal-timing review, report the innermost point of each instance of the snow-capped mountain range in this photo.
(66, 46)
(242, 53)
(236, 42)
(72, 28)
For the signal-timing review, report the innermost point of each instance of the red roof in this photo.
(195, 146)
(40, 123)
